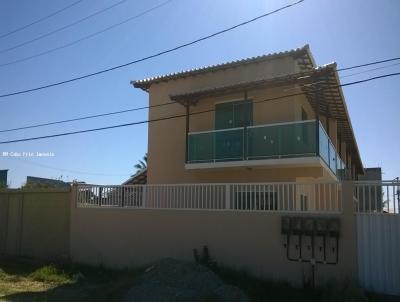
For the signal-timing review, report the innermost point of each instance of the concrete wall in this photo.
(245, 240)
(35, 222)
(47, 224)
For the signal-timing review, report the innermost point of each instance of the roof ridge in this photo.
(146, 83)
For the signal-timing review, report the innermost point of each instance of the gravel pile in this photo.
(170, 280)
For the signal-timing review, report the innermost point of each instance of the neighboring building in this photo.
(140, 178)
(32, 181)
(371, 174)
(3, 178)
(276, 117)
(371, 199)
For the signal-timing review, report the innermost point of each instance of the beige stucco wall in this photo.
(244, 240)
(268, 112)
(167, 142)
(35, 223)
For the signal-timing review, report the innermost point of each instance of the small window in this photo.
(265, 201)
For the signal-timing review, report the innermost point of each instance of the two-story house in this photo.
(272, 118)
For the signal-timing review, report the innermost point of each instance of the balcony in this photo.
(293, 143)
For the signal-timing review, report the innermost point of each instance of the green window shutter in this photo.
(243, 113)
(233, 114)
(223, 116)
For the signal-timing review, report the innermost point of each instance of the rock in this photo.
(170, 280)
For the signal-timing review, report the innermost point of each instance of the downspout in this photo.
(244, 152)
(317, 151)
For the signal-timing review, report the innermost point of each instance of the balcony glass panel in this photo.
(323, 145)
(262, 142)
(284, 140)
(332, 157)
(229, 145)
(340, 168)
(298, 139)
(220, 145)
(201, 147)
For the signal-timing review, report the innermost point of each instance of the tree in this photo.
(141, 165)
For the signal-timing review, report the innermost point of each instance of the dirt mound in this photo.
(170, 280)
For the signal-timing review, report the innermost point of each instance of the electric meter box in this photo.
(334, 227)
(308, 225)
(321, 226)
(285, 225)
(295, 225)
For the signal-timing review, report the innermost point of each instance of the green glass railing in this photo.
(285, 140)
(328, 153)
(218, 145)
(281, 140)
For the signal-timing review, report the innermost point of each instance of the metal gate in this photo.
(378, 236)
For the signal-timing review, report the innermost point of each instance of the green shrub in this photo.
(49, 273)
(3, 275)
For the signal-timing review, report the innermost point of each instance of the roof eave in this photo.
(146, 83)
(361, 167)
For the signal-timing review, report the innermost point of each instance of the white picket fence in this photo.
(303, 197)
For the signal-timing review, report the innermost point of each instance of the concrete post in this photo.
(73, 205)
(349, 230)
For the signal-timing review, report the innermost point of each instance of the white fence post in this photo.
(144, 196)
(228, 197)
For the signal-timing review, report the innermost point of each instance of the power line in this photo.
(184, 115)
(371, 79)
(40, 20)
(88, 36)
(85, 117)
(369, 70)
(62, 28)
(154, 55)
(65, 170)
(167, 103)
(370, 63)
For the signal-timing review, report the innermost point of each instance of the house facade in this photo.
(272, 118)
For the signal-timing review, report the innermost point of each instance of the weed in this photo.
(51, 274)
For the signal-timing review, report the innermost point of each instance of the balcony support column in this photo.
(317, 151)
(348, 163)
(244, 152)
(187, 105)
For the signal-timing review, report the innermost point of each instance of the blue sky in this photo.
(348, 32)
